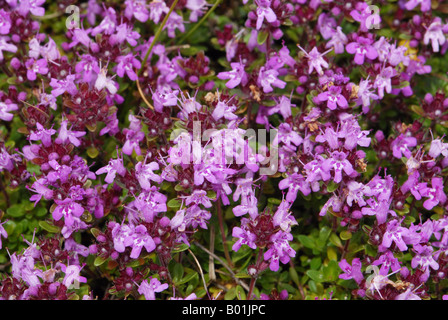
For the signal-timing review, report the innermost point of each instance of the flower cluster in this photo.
(161, 139)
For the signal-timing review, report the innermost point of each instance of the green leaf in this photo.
(332, 187)
(345, 235)
(99, 261)
(187, 278)
(262, 37)
(180, 248)
(178, 272)
(334, 239)
(174, 203)
(49, 227)
(307, 241)
(16, 210)
(315, 275)
(240, 293)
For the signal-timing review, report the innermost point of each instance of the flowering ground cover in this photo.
(226, 150)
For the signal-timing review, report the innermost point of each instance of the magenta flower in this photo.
(425, 5)
(400, 146)
(236, 76)
(435, 35)
(3, 232)
(42, 134)
(69, 135)
(394, 234)
(279, 250)
(127, 64)
(5, 21)
(5, 46)
(148, 289)
(72, 276)
(145, 173)
(64, 85)
(315, 60)
(352, 271)
(333, 97)
(264, 11)
(115, 166)
(68, 209)
(138, 9)
(5, 108)
(435, 194)
(363, 14)
(268, 79)
(362, 48)
(35, 67)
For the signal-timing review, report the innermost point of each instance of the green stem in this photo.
(197, 25)
(156, 36)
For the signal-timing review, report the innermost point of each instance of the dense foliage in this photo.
(254, 149)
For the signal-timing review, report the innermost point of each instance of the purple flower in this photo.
(338, 162)
(164, 97)
(148, 289)
(365, 95)
(363, 14)
(115, 166)
(400, 146)
(244, 236)
(72, 136)
(435, 194)
(316, 60)
(5, 108)
(425, 5)
(383, 81)
(144, 173)
(32, 6)
(424, 258)
(133, 136)
(333, 97)
(387, 260)
(197, 8)
(294, 183)
(72, 276)
(394, 233)
(140, 239)
(124, 33)
(236, 76)
(5, 21)
(34, 67)
(362, 48)
(174, 22)
(338, 41)
(224, 110)
(437, 148)
(156, 8)
(264, 11)
(64, 85)
(39, 186)
(42, 134)
(138, 9)
(283, 217)
(435, 35)
(59, 172)
(127, 64)
(3, 232)
(5, 46)
(68, 209)
(351, 271)
(88, 67)
(279, 250)
(267, 78)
